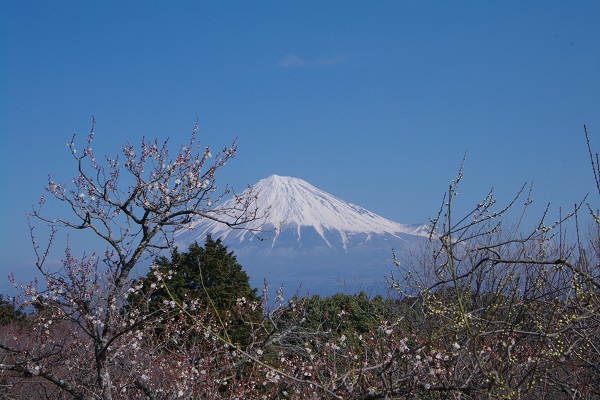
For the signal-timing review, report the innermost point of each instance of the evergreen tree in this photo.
(344, 313)
(209, 274)
(8, 312)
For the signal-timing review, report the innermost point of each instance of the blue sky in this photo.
(374, 102)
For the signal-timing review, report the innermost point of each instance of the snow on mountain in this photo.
(298, 208)
(310, 239)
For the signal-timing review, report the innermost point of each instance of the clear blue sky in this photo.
(372, 101)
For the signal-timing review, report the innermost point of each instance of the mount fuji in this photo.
(309, 239)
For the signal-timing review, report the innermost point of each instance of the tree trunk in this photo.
(103, 374)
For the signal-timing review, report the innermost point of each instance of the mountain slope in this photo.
(296, 207)
(310, 238)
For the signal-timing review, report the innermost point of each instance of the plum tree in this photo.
(134, 202)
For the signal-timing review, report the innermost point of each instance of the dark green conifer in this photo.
(8, 312)
(209, 274)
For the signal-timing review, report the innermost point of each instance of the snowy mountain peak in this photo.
(294, 205)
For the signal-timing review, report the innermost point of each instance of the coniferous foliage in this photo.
(343, 313)
(209, 272)
(209, 276)
(8, 312)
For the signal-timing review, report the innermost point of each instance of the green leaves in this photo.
(209, 276)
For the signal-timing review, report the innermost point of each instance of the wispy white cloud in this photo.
(291, 60)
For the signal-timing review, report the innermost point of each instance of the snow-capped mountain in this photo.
(293, 207)
(308, 237)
